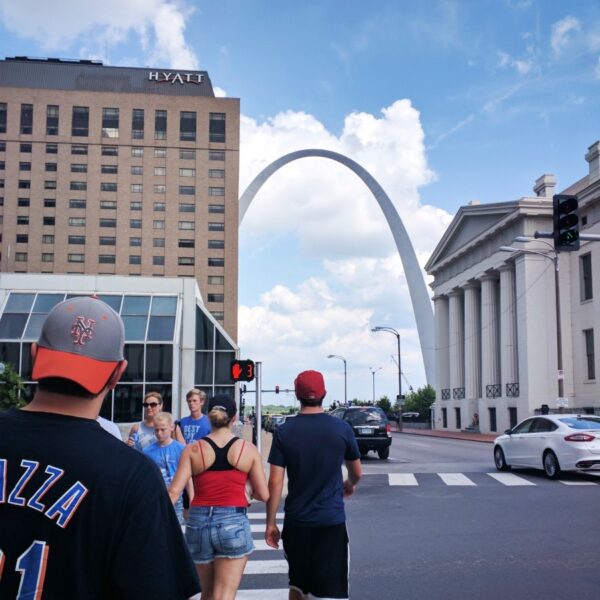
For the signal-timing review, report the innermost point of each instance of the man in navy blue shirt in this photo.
(312, 447)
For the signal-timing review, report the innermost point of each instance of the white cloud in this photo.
(562, 33)
(158, 26)
(521, 66)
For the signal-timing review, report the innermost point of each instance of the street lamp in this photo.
(554, 258)
(397, 334)
(373, 371)
(345, 376)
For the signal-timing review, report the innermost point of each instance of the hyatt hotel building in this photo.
(120, 171)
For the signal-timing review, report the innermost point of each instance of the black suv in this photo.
(371, 428)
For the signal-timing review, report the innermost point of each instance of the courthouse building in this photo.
(120, 171)
(495, 311)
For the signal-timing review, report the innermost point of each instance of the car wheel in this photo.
(551, 466)
(384, 453)
(499, 459)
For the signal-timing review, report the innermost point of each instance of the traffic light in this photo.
(277, 389)
(242, 370)
(566, 223)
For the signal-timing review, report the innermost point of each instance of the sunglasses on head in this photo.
(149, 404)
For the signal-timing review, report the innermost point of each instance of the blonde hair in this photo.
(154, 395)
(218, 417)
(164, 417)
(196, 392)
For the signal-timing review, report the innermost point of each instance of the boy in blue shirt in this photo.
(196, 426)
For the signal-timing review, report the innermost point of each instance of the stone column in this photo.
(472, 343)
(508, 328)
(456, 345)
(442, 343)
(490, 371)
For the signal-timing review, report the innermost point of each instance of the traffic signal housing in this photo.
(566, 223)
(242, 370)
(277, 389)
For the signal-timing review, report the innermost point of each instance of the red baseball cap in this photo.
(309, 385)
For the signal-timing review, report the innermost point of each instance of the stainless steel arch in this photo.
(416, 284)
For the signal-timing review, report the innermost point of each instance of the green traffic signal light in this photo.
(566, 223)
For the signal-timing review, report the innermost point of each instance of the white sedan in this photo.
(554, 443)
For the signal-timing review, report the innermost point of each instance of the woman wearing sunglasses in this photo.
(141, 435)
(218, 531)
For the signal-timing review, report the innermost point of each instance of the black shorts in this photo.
(318, 559)
(186, 500)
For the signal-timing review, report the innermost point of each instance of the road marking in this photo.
(455, 479)
(260, 527)
(510, 479)
(402, 479)
(265, 567)
(281, 594)
(264, 516)
(577, 482)
(262, 545)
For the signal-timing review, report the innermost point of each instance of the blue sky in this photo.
(443, 102)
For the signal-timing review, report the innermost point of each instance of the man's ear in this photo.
(117, 374)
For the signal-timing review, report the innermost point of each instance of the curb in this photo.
(449, 435)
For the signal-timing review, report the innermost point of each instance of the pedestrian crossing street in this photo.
(478, 479)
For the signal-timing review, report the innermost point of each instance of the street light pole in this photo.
(345, 376)
(397, 334)
(373, 371)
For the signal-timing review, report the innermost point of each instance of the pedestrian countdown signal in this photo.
(242, 370)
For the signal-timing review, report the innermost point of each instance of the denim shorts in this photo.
(218, 532)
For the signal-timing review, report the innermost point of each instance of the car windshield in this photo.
(581, 422)
(360, 416)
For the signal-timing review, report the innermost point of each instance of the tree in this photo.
(385, 404)
(12, 389)
(419, 401)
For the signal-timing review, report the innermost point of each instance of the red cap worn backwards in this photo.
(309, 385)
(82, 340)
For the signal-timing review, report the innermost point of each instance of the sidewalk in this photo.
(455, 435)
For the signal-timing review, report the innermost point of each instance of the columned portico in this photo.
(472, 342)
(456, 345)
(508, 332)
(490, 337)
(442, 342)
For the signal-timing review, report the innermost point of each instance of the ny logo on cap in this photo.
(82, 330)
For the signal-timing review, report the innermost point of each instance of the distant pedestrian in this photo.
(312, 448)
(141, 435)
(196, 425)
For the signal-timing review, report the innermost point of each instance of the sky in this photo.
(443, 102)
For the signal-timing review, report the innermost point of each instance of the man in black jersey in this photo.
(82, 515)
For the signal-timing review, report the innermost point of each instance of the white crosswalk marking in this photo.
(264, 567)
(261, 515)
(455, 479)
(262, 545)
(281, 594)
(260, 527)
(577, 482)
(402, 479)
(510, 479)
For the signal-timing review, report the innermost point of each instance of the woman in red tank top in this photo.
(218, 531)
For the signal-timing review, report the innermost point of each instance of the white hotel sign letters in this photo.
(182, 78)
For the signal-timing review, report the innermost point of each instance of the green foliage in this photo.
(419, 401)
(12, 389)
(385, 404)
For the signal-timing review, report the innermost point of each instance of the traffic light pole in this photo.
(559, 357)
(258, 406)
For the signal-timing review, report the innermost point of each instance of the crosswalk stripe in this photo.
(510, 479)
(266, 567)
(263, 516)
(262, 545)
(455, 479)
(260, 527)
(577, 482)
(280, 594)
(402, 479)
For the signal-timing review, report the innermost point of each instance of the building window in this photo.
(492, 417)
(137, 188)
(158, 242)
(135, 259)
(216, 208)
(51, 167)
(186, 225)
(216, 226)
(216, 191)
(49, 221)
(158, 260)
(51, 148)
(50, 184)
(216, 155)
(106, 259)
(187, 154)
(79, 186)
(110, 122)
(26, 119)
(23, 202)
(160, 125)
(76, 258)
(135, 206)
(137, 124)
(588, 335)
(24, 166)
(185, 261)
(187, 208)
(160, 171)
(49, 202)
(158, 224)
(135, 223)
(24, 184)
(187, 172)
(160, 188)
(187, 190)
(77, 221)
(108, 186)
(21, 256)
(3, 112)
(77, 240)
(109, 169)
(187, 126)
(216, 173)
(108, 223)
(2, 165)
(216, 280)
(216, 244)
(159, 206)
(585, 276)
(22, 220)
(77, 203)
(186, 243)
(80, 121)
(219, 315)
(160, 153)
(216, 297)
(107, 240)
(137, 152)
(216, 128)
(47, 239)
(25, 148)
(79, 149)
(135, 241)
(1, 183)
(108, 204)
(216, 262)
(47, 257)
(51, 119)
(22, 238)
(137, 170)
(110, 151)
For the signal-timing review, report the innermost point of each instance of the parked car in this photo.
(273, 421)
(554, 443)
(371, 428)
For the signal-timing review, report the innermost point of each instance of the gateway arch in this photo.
(416, 284)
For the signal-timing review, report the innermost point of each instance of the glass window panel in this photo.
(113, 301)
(221, 343)
(204, 331)
(204, 368)
(223, 367)
(9, 353)
(34, 327)
(19, 303)
(135, 305)
(161, 329)
(164, 305)
(159, 362)
(44, 303)
(12, 325)
(26, 363)
(165, 391)
(135, 327)
(134, 354)
(128, 403)
(228, 390)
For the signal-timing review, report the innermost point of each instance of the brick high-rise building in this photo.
(117, 170)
